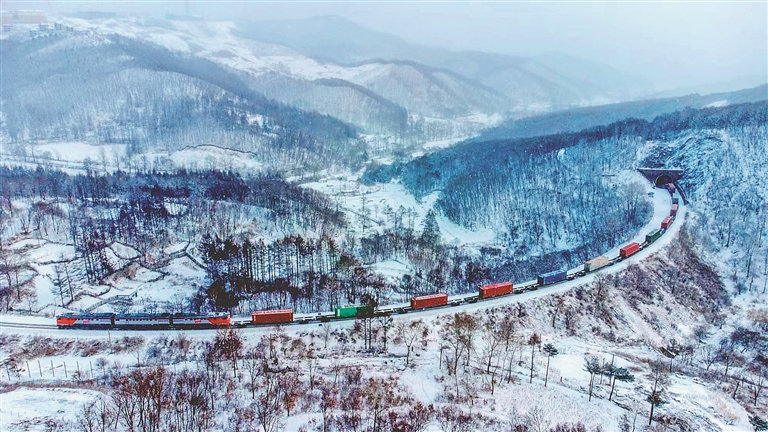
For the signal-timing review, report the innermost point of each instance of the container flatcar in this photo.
(629, 250)
(675, 200)
(496, 289)
(653, 236)
(440, 299)
(596, 263)
(552, 277)
(350, 311)
(667, 222)
(673, 210)
(272, 316)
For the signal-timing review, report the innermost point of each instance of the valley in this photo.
(162, 168)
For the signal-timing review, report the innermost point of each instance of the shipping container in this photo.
(667, 222)
(352, 311)
(629, 250)
(671, 188)
(675, 200)
(552, 277)
(673, 210)
(433, 300)
(653, 236)
(272, 316)
(596, 263)
(496, 289)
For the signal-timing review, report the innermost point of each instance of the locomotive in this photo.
(143, 321)
(286, 316)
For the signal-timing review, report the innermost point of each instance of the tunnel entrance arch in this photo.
(661, 176)
(663, 179)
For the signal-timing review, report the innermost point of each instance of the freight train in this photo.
(286, 316)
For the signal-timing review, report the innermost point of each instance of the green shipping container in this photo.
(653, 236)
(352, 311)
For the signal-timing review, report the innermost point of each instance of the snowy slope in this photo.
(421, 91)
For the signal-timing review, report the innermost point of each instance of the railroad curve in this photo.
(466, 302)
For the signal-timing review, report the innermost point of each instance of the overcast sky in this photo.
(672, 43)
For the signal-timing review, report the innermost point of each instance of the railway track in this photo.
(384, 310)
(28, 325)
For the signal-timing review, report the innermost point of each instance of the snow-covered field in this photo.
(75, 157)
(375, 201)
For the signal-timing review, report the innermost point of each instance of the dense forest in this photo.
(554, 199)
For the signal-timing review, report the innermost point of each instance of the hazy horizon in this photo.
(668, 44)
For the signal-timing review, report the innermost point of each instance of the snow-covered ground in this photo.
(26, 409)
(217, 41)
(74, 157)
(350, 194)
(165, 289)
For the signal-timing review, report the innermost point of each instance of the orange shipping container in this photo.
(272, 317)
(433, 300)
(629, 250)
(495, 290)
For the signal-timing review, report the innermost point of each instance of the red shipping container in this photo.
(673, 211)
(426, 301)
(629, 250)
(272, 317)
(667, 222)
(495, 290)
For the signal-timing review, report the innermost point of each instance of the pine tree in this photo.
(430, 233)
(758, 423)
(551, 351)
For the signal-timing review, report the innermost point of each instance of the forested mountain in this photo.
(575, 119)
(725, 171)
(395, 98)
(111, 89)
(341, 99)
(554, 80)
(552, 193)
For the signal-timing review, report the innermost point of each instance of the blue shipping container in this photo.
(552, 277)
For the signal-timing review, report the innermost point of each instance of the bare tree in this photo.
(453, 419)
(659, 377)
(227, 345)
(708, 355)
(537, 420)
(408, 333)
(268, 403)
(757, 382)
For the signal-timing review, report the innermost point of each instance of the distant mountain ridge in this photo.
(581, 118)
(400, 98)
(556, 79)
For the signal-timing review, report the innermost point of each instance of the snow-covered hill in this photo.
(377, 96)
